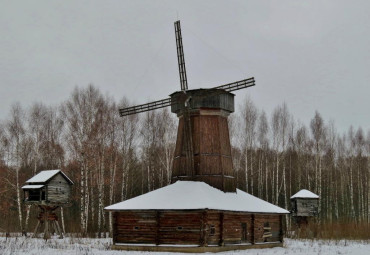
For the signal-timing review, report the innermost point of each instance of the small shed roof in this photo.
(304, 194)
(46, 175)
(187, 195)
(32, 186)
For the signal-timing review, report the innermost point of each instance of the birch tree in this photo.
(263, 128)
(81, 117)
(249, 115)
(16, 137)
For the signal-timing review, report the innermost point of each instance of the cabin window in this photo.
(179, 228)
(212, 231)
(136, 228)
(33, 195)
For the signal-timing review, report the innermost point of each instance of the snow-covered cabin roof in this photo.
(32, 186)
(304, 194)
(188, 195)
(46, 175)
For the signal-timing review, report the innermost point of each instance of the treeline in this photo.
(111, 159)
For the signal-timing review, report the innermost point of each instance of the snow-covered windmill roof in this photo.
(46, 175)
(304, 194)
(188, 195)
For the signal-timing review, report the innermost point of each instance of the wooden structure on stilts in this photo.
(49, 190)
(304, 208)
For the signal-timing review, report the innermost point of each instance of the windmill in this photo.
(203, 151)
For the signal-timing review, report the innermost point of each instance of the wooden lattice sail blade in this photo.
(145, 107)
(180, 57)
(238, 85)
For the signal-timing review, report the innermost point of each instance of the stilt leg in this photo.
(36, 229)
(56, 228)
(46, 232)
(60, 231)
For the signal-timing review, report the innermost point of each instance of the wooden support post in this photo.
(253, 229)
(281, 232)
(204, 229)
(222, 243)
(114, 227)
(60, 231)
(157, 235)
(36, 229)
(46, 221)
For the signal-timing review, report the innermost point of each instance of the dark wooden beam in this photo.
(222, 243)
(281, 233)
(253, 229)
(158, 219)
(203, 229)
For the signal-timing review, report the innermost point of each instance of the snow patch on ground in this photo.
(101, 246)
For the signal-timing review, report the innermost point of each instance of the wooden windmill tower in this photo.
(49, 190)
(202, 207)
(203, 151)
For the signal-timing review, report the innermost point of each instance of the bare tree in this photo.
(81, 114)
(249, 115)
(280, 122)
(263, 129)
(16, 137)
(318, 133)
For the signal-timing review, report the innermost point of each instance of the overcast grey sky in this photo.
(314, 55)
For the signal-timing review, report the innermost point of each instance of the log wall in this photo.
(259, 228)
(180, 227)
(233, 227)
(199, 227)
(135, 227)
(58, 190)
(305, 206)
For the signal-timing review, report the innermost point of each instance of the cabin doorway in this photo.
(244, 232)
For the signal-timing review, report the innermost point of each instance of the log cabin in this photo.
(192, 216)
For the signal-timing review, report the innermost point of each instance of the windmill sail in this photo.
(180, 57)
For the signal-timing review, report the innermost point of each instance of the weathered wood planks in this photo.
(198, 227)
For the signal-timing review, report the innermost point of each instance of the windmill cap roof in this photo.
(304, 194)
(46, 175)
(192, 195)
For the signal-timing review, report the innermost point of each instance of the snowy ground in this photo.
(21, 245)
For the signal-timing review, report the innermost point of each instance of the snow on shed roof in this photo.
(304, 194)
(46, 175)
(32, 186)
(187, 195)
